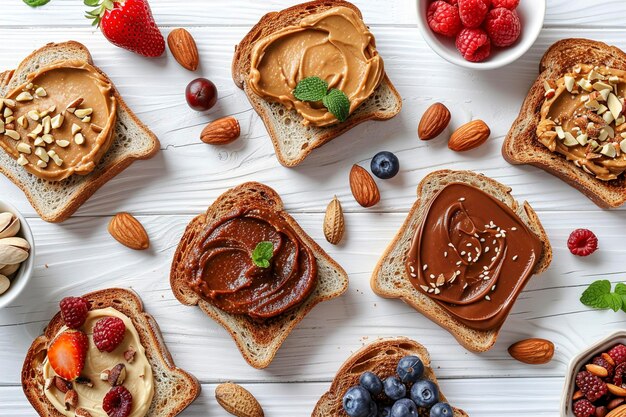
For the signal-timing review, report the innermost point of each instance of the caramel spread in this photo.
(220, 268)
(582, 118)
(472, 255)
(60, 121)
(139, 379)
(334, 45)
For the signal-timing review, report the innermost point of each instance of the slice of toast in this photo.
(292, 140)
(56, 201)
(390, 279)
(257, 341)
(380, 357)
(521, 145)
(174, 389)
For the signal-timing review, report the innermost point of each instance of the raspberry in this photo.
(618, 354)
(108, 333)
(590, 385)
(582, 242)
(600, 361)
(117, 402)
(472, 12)
(503, 26)
(473, 44)
(444, 18)
(509, 4)
(74, 311)
(618, 378)
(583, 408)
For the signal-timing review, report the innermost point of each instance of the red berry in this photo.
(503, 26)
(118, 402)
(620, 371)
(201, 94)
(453, 2)
(67, 354)
(600, 361)
(108, 333)
(472, 12)
(74, 311)
(509, 4)
(618, 354)
(591, 386)
(582, 242)
(473, 44)
(584, 408)
(444, 18)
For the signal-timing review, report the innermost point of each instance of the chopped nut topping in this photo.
(71, 399)
(23, 148)
(41, 92)
(117, 375)
(81, 113)
(12, 134)
(24, 96)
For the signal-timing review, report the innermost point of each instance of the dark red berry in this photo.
(74, 311)
(582, 242)
(618, 354)
(591, 386)
(584, 408)
(201, 94)
(108, 333)
(600, 361)
(117, 402)
(620, 371)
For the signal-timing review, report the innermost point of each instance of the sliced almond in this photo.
(76, 128)
(22, 160)
(23, 148)
(37, 130)
(41, 164)
(57, 121)
(33, 115)
(80, 113)
(41, 92)
(7, 112)
(615, 106)
(79, 139)
(63, 143)
(23, 122)
(47, 124)
(86, 119)
(12, 134)
(48, 138)
(24, 96)
(39, 142)
(42, 154)
(569, 82)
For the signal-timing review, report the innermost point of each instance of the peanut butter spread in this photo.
(139, 378)
(60, 121)
(334, 45)
(582, 118)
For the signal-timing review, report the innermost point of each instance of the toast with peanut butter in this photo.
(173, 389)
(59, 193)
(475, 230)
(351, 65)
(572, 122)
(258, 298)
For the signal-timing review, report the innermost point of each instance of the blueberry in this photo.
(410, 369)
(385, 165)
(371, 382)
(404, 408)
(394, 388)
(424, 393)
(357, 402)
(384, 412)
(441, 410)
(373, 411)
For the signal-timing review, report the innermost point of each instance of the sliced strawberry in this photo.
(67, 354)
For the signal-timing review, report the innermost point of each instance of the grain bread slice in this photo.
(257, 341)
(175, 389)
(56, 201)
(293, 142)
(390, 278)
(380, 357)
(521, 145)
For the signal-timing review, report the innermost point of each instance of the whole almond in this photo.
(469, 136)
(532, 351)
(238, 401)
(221, 131)
(334, 225)
(433, 122)
(184, 48)
(597, 370)
(615, 390)
(128, 231)
(363, 187)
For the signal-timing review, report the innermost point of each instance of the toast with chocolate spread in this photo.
(55, 201)
(292, 140)
(395, 276)
(522, 146)
(257, 339)
(174, 389)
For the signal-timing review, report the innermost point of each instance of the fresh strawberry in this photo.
(128, 24)
(67, 354)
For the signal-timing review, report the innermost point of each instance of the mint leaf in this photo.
(620, 289)
(262, 254)
(311, 89)
(338, 104)
(596, 295)
(36, 3)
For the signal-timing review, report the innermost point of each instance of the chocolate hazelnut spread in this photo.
(334, 45)
(472, 255)
(220, 268)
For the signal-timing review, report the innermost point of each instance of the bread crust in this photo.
(521, 145)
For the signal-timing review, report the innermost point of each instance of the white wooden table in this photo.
(186, 176)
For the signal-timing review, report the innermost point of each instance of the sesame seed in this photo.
(485, 268)
(469, 245)
(487, 298)
(424, 287)
(515, 258)
(432, 276)
(463, 253)
(424, 267)
(458, 272)
(465, 286)
(413, 275)
(482, 239)
(493, 259)
(451, 245)
(462, 199)
(458, 263)
(431, 290)
(513, 228)
(487, 249)
(411, 268)
(432, 284)
(493, 288)
(445, 254)
(437, 290)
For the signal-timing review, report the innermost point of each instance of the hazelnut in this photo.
(62, 385)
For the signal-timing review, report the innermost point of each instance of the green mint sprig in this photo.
(262, 254)
(599, 295)
(36, 3)
(316, 89)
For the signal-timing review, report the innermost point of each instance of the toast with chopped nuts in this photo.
(55, 201)
(522, 146)
(380, 357)
(292, 140)
(174, 389)
(390, 278)
(258, 341)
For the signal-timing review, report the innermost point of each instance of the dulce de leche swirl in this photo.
(472, 255)
(220, 268)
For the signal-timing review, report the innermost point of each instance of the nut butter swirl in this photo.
(221, 271)
(334, 45)
(472, 255)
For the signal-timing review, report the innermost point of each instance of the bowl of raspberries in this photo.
(595, 385)
(481, 34)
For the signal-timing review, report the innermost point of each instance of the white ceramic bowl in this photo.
(22, 276)
(531, 13)
(579, 361)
